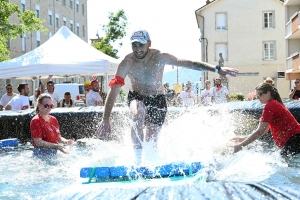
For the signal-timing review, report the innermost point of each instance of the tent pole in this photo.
(106, 85)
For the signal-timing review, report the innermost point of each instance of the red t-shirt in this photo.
(48, 131)
(282, 123)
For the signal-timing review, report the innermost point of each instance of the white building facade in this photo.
(250, 36)
(292, 39)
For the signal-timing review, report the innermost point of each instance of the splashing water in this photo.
(197, 135)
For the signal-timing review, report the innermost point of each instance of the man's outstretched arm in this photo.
(201, 66)
(116, 84)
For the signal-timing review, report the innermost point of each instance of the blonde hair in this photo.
(40, 100)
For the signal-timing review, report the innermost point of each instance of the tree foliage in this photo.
(114, 30)
(27, 22)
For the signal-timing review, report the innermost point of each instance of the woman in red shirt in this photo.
(44, 129)
(284, 127)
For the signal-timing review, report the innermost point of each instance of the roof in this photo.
(213, 1)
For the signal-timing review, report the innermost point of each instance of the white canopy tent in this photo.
(63, 55)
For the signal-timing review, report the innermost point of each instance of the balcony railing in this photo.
(293, 25)
(293, 62)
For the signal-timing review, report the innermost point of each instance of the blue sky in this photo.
(171, 24)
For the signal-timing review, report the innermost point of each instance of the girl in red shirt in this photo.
(44, 129)
(284, 127)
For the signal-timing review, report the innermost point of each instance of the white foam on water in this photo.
(195, 136)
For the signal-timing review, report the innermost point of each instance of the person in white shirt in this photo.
(7, 97)
(187, 96)
(206, 94)
(220, 92)
(50, 91)
(67, 102)
(19, 102)
(93, 98)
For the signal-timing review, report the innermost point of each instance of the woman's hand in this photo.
(70, 142)
(238, 139)
(62, 149)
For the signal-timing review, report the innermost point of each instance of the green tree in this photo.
(27, 22)
(114, 30)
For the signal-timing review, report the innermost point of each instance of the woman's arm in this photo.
(66, 141)
(261, 130)
(43, 144)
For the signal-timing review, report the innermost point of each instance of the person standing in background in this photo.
(220, 92)
(93, 98)
(270, 81)
(19, 102)
(206, 94)
(187, 96)
(295, 93)
(67, 102)
(50, 91)
(7, 97)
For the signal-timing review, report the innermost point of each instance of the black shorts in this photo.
(156, 106)
(292, 146)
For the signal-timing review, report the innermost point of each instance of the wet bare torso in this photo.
(146, 74)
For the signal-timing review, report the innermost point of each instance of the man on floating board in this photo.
(145, 67)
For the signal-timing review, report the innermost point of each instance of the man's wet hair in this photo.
(21, 86)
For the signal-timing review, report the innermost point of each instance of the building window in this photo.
(56, 20)
(269, 50)
(50, 17)
(77, 6)
(50, 35)
(37, 11)
(71, 25)
(83, 31)
(38, 38)
(71, 4)
(64, 2)
(221, 21)
(64, 21)
(221, 48)
(23, 2)
(269, 20)
(24, 42)
(77, 29)
(82, 7)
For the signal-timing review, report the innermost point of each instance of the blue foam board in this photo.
(10, 142)
(120, 171)
(164, 170)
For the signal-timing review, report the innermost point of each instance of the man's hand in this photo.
(237, 148)
(103, 130)
(226, 70)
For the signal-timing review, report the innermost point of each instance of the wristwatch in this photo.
(218, 67)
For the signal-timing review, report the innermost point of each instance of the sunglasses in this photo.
(48, 105)
(9, 88)
(259, 94)
(269, 81)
